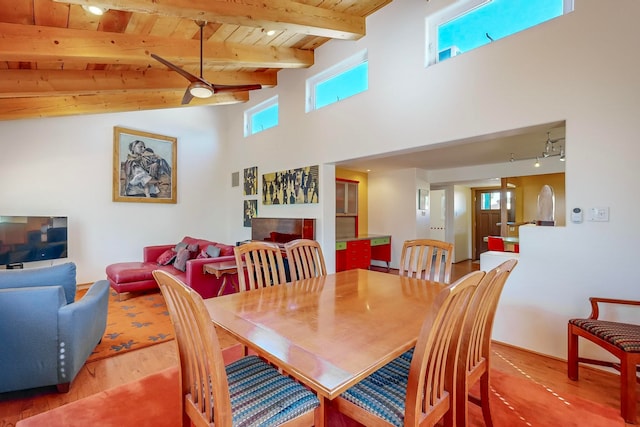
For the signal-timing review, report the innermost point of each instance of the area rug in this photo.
(152, 401)
(133, 324)
(521, 401)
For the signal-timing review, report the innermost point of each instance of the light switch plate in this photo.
(599, 214)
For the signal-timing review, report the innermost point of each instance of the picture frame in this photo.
(144, 167)
(250, 181)
(291, 186)
(250, 210)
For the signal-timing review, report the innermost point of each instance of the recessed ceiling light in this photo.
(95, 10)
(271, 32)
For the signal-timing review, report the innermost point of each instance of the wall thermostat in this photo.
(576, 215)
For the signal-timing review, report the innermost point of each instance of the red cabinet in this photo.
(341, 256)
(358, 253)
(381, 249)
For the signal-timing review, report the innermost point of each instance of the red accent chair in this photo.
(495, 243)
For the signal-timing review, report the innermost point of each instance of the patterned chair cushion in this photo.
(383, 393)
(262, 396)
(625, 336)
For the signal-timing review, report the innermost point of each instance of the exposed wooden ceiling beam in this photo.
(21, 108)
(283, 15)
(38, 43)
(30, 83)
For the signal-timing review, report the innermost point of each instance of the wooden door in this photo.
(487, 212)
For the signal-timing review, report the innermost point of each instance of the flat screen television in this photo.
(32, 238)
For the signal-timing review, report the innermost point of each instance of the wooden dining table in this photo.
(329, 332)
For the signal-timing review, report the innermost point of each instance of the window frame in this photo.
(250, 113)
(336, 70)
(456, 10)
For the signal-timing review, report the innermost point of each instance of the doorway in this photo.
(487, 207)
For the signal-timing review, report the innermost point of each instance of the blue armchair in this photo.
(47, 337)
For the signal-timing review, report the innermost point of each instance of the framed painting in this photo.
(251, 181)
(293, 186)
(250, 211)
(144, 167)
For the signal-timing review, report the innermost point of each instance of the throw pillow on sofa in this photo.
(180, 245)
(209, 252)
(167, 257)
(183, 255)
(213, 251)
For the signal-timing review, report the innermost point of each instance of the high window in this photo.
(261, 117)
(339, 82)
(491, 201)
(469, 24)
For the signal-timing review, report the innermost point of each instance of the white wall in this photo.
(64, 167)
(555, 71)
(581, 68)
(392, 208)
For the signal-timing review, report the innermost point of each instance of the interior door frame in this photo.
(475, 250)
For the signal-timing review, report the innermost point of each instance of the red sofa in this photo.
(136, 276)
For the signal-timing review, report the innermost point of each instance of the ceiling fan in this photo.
(199, 87)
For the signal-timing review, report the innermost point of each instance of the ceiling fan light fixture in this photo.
(200, 90)
(95, 10)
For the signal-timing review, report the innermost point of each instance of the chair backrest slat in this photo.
(263, 262)
(305, 259)
(427, 259)
(475, 344)
(433, 366)
(203, 378)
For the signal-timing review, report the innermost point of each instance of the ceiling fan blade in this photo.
(192, 78)
(199, 86)
(234, 88)
(187, 97)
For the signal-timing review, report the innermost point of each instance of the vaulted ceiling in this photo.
(57, 59)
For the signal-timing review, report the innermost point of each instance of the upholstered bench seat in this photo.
(623, 335)
(132, 276)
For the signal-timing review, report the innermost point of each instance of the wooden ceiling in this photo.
(56, 59)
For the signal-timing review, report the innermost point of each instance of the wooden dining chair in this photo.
(427, 259)
(305, 259)
(475, 345)
(620, 339)
(416, 389)
(263, 263)
(247, 392)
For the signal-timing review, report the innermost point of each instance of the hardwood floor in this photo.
(594, 385)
